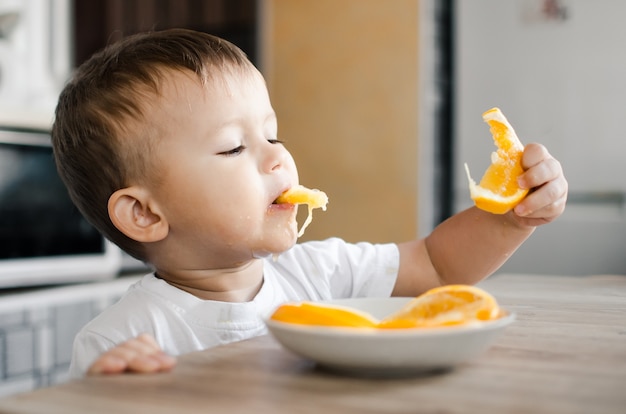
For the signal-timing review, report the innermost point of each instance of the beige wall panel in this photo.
(343, 79)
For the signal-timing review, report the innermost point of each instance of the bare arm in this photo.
(473, 244)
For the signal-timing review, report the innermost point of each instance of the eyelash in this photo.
(240, 148)
(233, 151)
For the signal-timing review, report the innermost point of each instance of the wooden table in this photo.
(566, 353)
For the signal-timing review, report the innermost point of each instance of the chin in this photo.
(282, 247)
(264, 254)
(276, 239)
(278, 246)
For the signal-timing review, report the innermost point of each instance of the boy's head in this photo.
(113, 133)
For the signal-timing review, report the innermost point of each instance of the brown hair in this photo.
(100, 143)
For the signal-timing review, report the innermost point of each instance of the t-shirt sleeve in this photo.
(333, 268)
(88, 346)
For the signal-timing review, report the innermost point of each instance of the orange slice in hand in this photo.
(445, 306)
(301, 195)
(498, 191)
(307, 313)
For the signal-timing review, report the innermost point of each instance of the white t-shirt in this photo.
(182, 323)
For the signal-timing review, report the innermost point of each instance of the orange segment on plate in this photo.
(299, 194)
(450, 305)
(307, 313)
(445, 306)
(498, 191)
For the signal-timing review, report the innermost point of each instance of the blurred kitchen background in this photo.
(380, 103)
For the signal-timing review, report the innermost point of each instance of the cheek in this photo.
(206, 204)
(240, 210)
(230, 192)
(242, 202)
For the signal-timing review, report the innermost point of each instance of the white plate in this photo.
(388, 351)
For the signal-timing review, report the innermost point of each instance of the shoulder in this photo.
(140, 308)
(131, 307)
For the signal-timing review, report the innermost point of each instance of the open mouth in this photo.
(284, 198)
(281, 205)
(301, 195)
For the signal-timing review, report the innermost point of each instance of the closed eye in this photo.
(275, 141)
(235, 151)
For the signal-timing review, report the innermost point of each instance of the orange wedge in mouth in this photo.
(299, 194)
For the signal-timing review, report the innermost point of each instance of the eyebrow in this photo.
(271, 116)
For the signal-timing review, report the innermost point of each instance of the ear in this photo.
(133, 211)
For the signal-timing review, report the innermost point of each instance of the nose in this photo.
(275, 157)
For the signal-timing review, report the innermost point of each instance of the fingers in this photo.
(544, 176)
(540, 167)
(141, 354)
(546, 202)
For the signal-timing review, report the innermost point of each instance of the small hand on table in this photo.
(141, 354)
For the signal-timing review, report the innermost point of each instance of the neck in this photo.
(238, 284)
